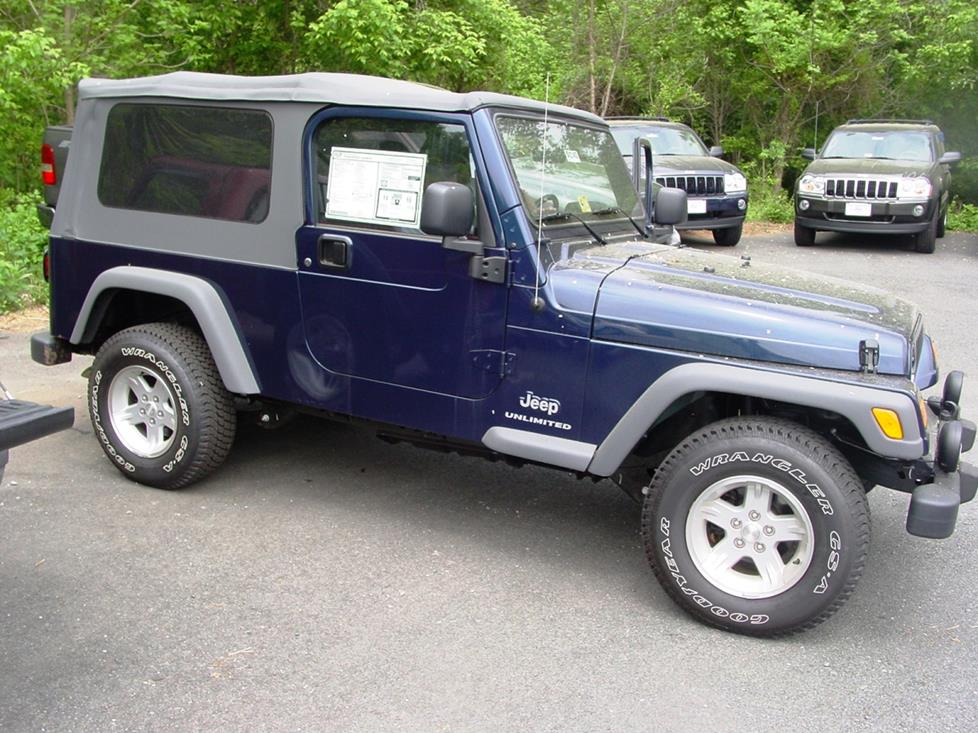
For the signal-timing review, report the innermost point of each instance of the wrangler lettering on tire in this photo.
(756, 525)
(158, 407)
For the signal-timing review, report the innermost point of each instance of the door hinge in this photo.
(490, 360)
(488, 269)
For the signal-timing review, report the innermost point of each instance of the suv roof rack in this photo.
(887, 120)
(652, 118)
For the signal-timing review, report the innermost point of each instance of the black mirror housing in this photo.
(447, 209)
(716, 151)
(808, 153)
(950, 158)
(670, 206)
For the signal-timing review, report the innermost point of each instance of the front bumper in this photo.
(722, 211)
(886, 217)
(934, 503)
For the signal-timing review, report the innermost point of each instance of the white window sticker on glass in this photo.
(572, 156)
(375, 186)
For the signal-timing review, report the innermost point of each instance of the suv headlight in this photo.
(812, 184)
(734, 183)
(914, 188)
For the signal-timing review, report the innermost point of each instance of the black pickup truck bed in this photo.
(22, 422)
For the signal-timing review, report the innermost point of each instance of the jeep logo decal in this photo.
(544, 404)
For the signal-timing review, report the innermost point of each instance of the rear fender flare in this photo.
(203, 300)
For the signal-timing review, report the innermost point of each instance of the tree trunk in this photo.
(69, 19)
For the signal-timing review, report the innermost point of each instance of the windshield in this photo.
(902, 145)
(584, 174)
(665, 140)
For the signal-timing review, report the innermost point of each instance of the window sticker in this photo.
(375, 186)
(572, 156)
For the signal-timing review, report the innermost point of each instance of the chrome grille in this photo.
(860, 188)
(694, 185)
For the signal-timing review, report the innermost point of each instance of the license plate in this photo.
(853, 209)
(695, 206)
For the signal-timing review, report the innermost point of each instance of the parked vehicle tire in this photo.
(158, 406)
(926, 240)
(804, 237)
(728, 237)
(757, 526)
(942, 225)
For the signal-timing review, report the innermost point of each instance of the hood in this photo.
(868, 167)
(690, 164)
(686, 300)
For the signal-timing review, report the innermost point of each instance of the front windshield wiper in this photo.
(565, 215)
(619, 210)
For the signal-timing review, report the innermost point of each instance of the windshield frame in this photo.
(607, 224)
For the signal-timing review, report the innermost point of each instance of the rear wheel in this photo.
(804, 237)
(728, 237)
(757, 526)
(158, 406)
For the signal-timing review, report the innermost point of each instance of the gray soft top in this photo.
(321, 88)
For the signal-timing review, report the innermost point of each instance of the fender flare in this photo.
(853, 402)
(203, 300)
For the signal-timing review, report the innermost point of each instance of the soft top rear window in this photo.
(211, 162)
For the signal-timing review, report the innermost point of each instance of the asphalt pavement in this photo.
(325, 580)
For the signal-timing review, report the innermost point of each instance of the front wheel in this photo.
(926, 241)
(728, 237)
(158, 406)
(804, 237)
(757, 526)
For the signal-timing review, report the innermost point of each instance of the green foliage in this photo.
(22, 243)
(962, 217)
(33, 77)
(769, 202)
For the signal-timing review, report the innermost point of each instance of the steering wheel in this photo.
(548, 204)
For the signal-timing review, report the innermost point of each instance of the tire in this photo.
(942, 225)
(804, 237)
(725, 495)
(728, 237)
(170, 367)
(926, 240)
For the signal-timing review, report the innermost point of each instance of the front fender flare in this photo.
(203, 300)
(853, 402)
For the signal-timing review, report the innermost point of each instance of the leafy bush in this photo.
(22, 243)
(962, 217)
(769, 202)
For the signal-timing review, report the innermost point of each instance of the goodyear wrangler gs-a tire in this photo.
(158, 406)
(756, 525)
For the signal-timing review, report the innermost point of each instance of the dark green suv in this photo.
(879, 177)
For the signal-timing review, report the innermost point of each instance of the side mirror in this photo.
(950, 158)
(670, 206)
(716, 151)
(447, 209)
(808, 153)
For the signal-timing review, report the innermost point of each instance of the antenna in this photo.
(537, 302)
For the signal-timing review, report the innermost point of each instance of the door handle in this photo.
(335, 251)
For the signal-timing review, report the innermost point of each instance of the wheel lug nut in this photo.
(768, 530)
(156, 399)
(758, 547)
(144, 398)
(738, 542)
(735, 523)
(142, 412)
(159, 414)
(753, 515)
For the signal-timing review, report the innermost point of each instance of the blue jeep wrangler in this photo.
(473, 272)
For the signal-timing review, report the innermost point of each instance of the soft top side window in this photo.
(372, 172)
(212, 162)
